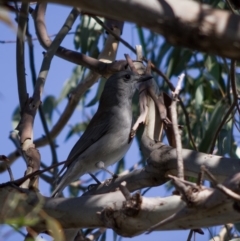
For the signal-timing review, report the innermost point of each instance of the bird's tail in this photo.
(70, 175)
(57, 191)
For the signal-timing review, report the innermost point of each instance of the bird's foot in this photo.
(101, 166)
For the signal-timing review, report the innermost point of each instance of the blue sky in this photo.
(59, 72)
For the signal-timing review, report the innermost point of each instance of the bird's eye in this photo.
(127, 76)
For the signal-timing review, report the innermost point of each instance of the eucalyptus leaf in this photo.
(71, 83)
(87, 36)
(199, 95)
(98, 94)
(48, 106)
(80, 127)
(120, 166)
(211, 128)
(55, 227)
(16, 117)
(142, 40)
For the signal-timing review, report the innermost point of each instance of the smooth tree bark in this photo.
(201, 28)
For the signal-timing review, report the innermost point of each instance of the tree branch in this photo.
(22, 25)
(205, 29)
(111, 210)
(70, 55)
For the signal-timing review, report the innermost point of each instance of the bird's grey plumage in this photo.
(106, 138)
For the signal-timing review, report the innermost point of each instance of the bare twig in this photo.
(125, 191)
(22, 24)
(125, 43)
(191, 232)
(224, 234)
(41, 113)
(21, 180)
(234, 85)
(175, 127)
(221, 187)
(26, 40)
(5, 159)
(48, 57)
(130, 63)
(230, 6)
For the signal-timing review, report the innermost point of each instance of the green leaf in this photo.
(48, 106)
(222, 138)
(54, 226)
(16, 117)
(177, 61)
(237, 226)
(142, 40)
(87, 36)
(80, 127)
(98, 94)
(77, 39)
(214, 74)
(115, 236)
(199, 95)
(74, 190)
(164, 49)
(212, 126)
(103, 237)
(22, 221)
(120, 166)
(172, 61)
(71, 83)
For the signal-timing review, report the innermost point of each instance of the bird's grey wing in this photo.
(97, 127)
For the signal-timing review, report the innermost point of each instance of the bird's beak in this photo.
(144, 77)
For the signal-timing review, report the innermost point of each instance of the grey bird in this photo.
(106, 138)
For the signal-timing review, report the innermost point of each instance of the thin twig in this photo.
(175, 127)
(125, 43)
(32, 39)
(48, 58)
(234, 85)
(41, 113)
(5, 159)
(221, 187)
(125, 191)
(230, 6)
(22, 24)
(191, 232)
(19, 181)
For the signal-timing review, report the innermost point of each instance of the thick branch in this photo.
(126, 217)
(204, 28)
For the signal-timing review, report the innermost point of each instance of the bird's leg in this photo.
(101, 166)
(94, 178)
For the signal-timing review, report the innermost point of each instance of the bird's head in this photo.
(124, 83)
